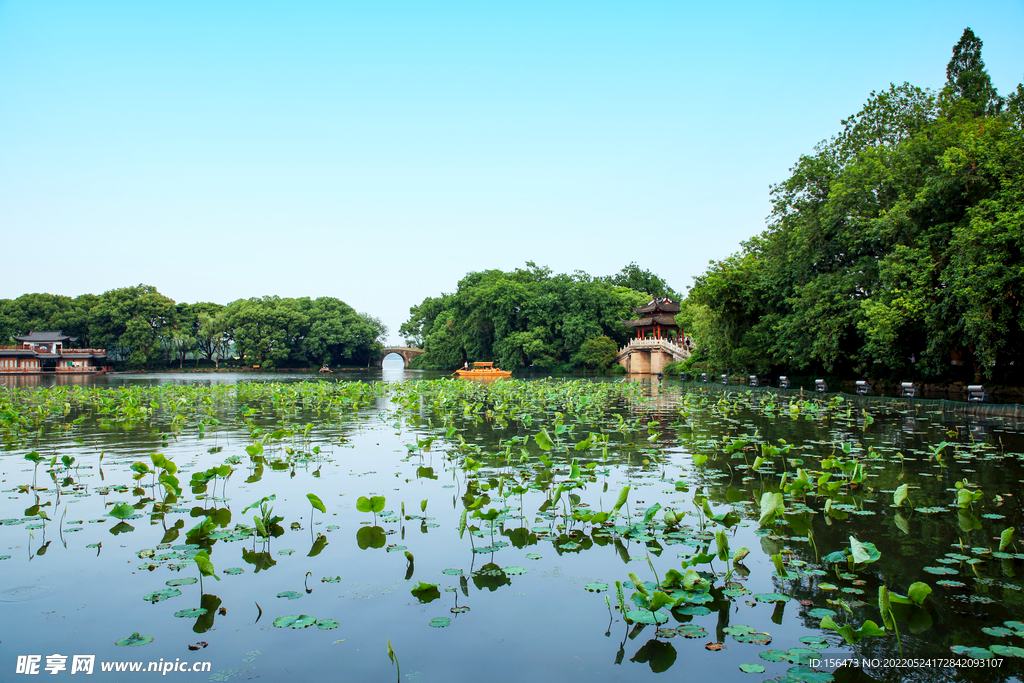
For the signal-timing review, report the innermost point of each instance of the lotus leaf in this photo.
(158, 596)
(294, 621)
(646, 617)
(134, 640)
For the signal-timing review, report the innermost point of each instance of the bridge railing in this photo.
(668, 345)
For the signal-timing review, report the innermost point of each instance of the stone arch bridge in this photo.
(406, 352)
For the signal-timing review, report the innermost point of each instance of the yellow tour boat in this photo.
(483, 371)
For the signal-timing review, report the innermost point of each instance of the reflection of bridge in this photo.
(649, 356)
(406, 352)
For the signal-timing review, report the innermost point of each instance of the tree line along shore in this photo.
(894, 250)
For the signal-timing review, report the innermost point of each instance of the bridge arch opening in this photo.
(393, 356)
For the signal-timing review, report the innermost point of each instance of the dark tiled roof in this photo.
(663, 304)
(47, 336)
(665, 320)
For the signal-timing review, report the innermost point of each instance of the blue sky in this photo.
(376, 152)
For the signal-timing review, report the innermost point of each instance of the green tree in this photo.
(340, 335)
(966, 77)
(133, 323)
(597, 353)
(640, 280)
(893, 249)
(529, 316)
(210, 329)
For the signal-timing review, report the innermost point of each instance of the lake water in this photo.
(519, 593)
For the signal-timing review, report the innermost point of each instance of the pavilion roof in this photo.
(42, 337)
(664, 304)
(664, 320)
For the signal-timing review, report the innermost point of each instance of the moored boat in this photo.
(482, 370)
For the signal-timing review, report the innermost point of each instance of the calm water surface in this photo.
(534, 580)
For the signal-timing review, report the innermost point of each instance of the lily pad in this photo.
(327, 624)
(594, 587)
(291, 595)
(644, 616)
(157, 596)
(514, 571)
(188, 581)
(1007, 650)
(940, 570)
(997, 631)
(975, 652)
(440, 622)
(694, 610)
(234, 571)
(191, 613)
(813, 641)
(692, 631)
(756, 637)
(294, 621)
(771, 597)
(752, 668)
(773, 655)
(808, 675)
(134, 640)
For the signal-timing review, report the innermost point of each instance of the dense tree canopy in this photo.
(894, 249)
(529, 317)
(143, 327)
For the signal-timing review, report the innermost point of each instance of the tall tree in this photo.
(966, 77)
(133, 322)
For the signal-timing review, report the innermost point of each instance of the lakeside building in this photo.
(658, 341)
(657, 321)
(41, 352)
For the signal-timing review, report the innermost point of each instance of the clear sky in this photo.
(377, 152)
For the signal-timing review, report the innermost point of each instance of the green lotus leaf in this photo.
(426, 592)
(692, 631)
(190, 613)
(291, 595)
(122, 511)
(294, 621)
(317, 503)
(134, 640)
(643, 616)
(158, 596)
(327, 624)
(773, 655)
(183, 582)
